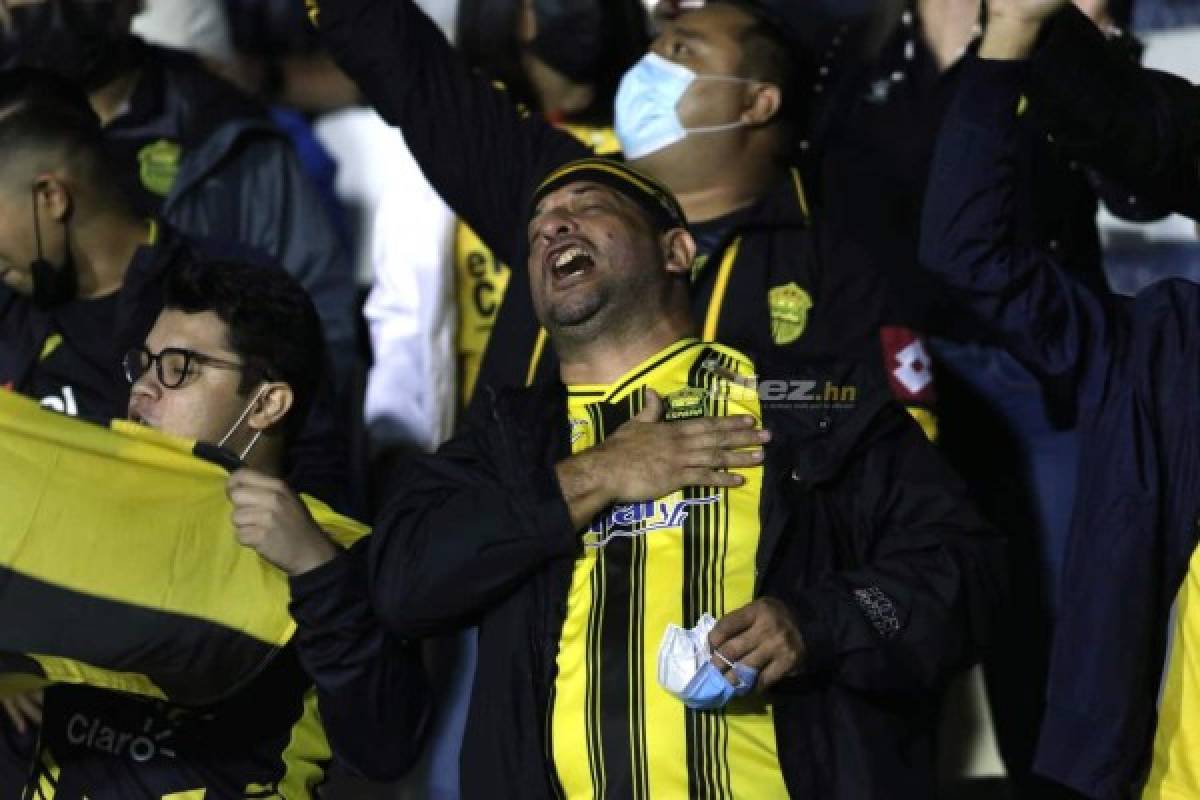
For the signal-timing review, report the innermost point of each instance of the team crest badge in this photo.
(687, 403)
(158, 166)
(579, 428)
(789, 305)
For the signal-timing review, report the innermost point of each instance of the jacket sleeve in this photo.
(1062, 331)
(480, 152)
(463, 533)
(371, 688)
(1138, 126)
(919, 603)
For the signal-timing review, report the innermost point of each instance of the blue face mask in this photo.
(686, 671)
(647, 117)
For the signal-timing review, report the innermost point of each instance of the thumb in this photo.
(653, 410)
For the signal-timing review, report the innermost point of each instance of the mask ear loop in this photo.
(238, 424)
(740, 683)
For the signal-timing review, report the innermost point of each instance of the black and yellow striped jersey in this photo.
(614, 731)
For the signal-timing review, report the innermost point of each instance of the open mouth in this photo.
(568, 263)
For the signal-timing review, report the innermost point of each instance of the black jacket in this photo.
(854, 500)
(485, 157)
(318, 458)
(1131, 369)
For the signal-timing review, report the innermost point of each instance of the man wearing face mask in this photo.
(711, 111)
(188, 147)
(82, 274)
(596, 526)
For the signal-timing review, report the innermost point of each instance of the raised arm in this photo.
(1066, 334)
(478, 150)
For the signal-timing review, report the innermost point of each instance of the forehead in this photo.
(203, 332)
(718, 25)
(576, 189)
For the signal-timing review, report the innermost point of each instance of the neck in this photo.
(601, 360)
(266, 457)
(738, 180)
(948, 27)
(103, 247)
(110, 100)
(557, 94)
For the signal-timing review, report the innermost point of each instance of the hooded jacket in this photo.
(1131, 369)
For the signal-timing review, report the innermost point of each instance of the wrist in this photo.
(1010, 38)
(318, 554)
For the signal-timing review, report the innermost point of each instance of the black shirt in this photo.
(75, 373)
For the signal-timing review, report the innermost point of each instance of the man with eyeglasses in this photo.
(590, 526)
(229, 363)
(81, 282)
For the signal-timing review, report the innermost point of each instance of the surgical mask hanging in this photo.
(245, 413)
(647, 115)
(685, 668)
(52, 286)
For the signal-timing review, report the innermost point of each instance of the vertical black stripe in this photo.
(592, 652)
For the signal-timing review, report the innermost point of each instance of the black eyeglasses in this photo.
(173, 364)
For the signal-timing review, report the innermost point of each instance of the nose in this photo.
(144, 392)
(556, 222)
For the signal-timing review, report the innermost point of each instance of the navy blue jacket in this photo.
(1131, 370)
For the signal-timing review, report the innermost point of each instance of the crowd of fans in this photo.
(784, 327)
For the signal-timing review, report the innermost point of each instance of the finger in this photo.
(14, 716)
(727, 440)
(733, 624)
(702, 477)
(249, 478)
(703, 425)
(715, 458)
(652, 411)
(771, 674)
(30, 707)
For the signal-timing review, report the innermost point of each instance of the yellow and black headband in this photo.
(649, 194)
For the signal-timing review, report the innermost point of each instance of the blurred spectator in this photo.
(190, 148)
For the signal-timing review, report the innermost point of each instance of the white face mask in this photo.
(245, 413)
(682, 653)
(647, 115)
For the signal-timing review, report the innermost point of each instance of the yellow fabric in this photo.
(305, 753)
(623, 596)
(129, 515)
(713, 316)
(1175, 770)
(482, 280)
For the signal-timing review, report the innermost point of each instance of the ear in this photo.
(274, 402)
(679, 249)
(527, 26)
(763, 102)
(52, 196)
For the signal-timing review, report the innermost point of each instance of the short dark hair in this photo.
(771, 53)
(42, 112)
(273, 325)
